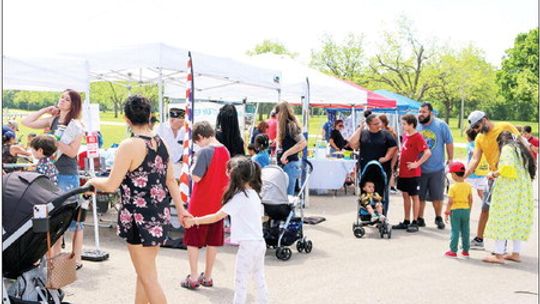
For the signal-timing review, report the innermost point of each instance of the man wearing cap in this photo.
(439, 138)
(486, 144)
(13, 125)
(172, 132)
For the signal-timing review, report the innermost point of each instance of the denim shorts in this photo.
(486, 201)
(66, 183)
(293, 171)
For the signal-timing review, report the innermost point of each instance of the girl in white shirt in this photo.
(241, 201)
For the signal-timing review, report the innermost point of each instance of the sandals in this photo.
(78, 266)
(189, 283)
(204, 281)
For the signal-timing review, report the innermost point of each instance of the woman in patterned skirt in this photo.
(144, 173)
(511, 212)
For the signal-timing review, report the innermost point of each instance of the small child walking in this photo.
(459, 210)
(241, 201)
(369, 199)
(261, 144)
(43, 149)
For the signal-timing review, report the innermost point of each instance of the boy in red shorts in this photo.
(409, 170)
(210, 180)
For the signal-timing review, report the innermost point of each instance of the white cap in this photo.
(476, 116)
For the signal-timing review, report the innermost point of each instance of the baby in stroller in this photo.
(369, 199)
(372, 201)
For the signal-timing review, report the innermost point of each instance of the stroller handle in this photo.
(309, 165)
(79, 190)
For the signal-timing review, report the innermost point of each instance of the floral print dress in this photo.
(511, 213)
(145, 209)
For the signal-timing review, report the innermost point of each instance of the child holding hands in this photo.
(241, 201)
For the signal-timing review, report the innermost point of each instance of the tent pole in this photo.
(160, 92)
(305, 126)
(97, 254)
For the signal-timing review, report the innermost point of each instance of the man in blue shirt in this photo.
(438, 137)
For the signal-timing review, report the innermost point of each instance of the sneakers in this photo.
(413, 227)
(450, 254)
(374, 218)
(465, 253)
(382, 218)
(189, 283)
(439, 222)
(204, 281)
(393, 190)
(421, 222)
(477, 244)
(403, 225)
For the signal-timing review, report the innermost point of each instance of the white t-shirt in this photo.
(175, 144)
(246, 213)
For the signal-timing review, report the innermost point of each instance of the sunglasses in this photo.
(176, 115)
(477, 125)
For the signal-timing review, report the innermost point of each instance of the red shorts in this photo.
(204, 235)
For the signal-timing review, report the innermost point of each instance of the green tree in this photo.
(269, 46)
(402, 63)
(345, 60)
(462, 75)
(518, 78)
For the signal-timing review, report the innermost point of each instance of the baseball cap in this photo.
(14, 125)
(475, 117)
(456, 167)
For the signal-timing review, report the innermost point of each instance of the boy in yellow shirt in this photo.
(459, 210)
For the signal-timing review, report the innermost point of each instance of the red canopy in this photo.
(375, 100)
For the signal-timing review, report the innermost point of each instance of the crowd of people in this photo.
(501, 165)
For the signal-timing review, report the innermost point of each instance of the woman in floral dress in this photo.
(144, 173)
(512, 209)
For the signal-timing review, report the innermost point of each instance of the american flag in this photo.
(185, 178)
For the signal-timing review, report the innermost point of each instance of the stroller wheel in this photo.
(389, 232)
(300, 245)
(359, 232)
(308, 246)
(283, 253)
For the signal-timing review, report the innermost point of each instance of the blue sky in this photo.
(229, 28)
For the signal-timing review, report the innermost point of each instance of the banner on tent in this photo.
(208, 111)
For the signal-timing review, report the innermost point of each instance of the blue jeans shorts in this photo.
(66, 183)
(293, 170)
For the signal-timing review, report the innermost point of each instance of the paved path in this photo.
(341, 269)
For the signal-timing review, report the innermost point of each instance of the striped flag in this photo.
(185, 177)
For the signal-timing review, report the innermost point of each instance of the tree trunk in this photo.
(448, 107)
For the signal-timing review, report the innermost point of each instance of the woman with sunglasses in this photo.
(336, 141)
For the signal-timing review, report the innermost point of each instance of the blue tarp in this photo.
(404, 103)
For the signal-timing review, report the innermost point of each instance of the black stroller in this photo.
(374, 172)
(24, 271)
(285, 226)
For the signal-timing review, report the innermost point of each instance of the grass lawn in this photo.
(116, 133)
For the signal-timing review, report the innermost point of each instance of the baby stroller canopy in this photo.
(374, 172)
(274, 189)
(21, 246)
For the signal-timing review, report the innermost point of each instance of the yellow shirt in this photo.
(459, 192)
(487, 143)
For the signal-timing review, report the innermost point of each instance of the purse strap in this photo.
(49, 251)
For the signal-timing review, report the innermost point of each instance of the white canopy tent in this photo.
(45, 74)
(167, 66)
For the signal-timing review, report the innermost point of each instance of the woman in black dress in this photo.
(144, 172)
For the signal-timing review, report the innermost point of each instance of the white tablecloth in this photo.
(330, 173)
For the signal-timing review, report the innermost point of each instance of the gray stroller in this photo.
(286, 214)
